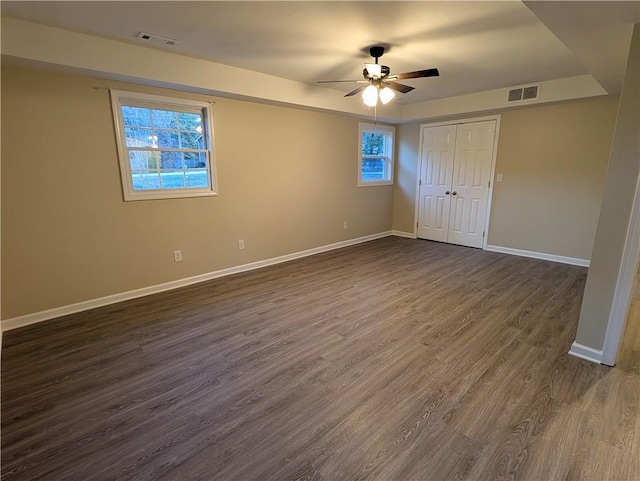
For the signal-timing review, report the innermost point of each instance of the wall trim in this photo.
(624, 285)
(56, 312)
(585, 352)
(540, 255)
(400, 233)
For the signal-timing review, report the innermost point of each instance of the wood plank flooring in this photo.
(629, 353)
(392, 360)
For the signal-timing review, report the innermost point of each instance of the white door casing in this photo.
(453, 194)
(436, 174)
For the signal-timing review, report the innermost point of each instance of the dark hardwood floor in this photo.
(392, 360)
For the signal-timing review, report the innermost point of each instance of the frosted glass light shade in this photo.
(386, 94)
(370, 96)
(374, 69)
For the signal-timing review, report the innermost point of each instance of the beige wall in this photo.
(404, 192)
(553, 159)
(615, 213)
(287, 181)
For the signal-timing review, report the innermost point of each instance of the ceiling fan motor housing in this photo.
(384, 72)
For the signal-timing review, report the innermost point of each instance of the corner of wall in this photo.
(612, 239)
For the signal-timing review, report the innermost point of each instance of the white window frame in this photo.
(120, 98)
(389, 133)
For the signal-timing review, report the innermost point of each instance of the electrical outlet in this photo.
(177, 256)
(499, 177)
(345, 225)
(241, 244)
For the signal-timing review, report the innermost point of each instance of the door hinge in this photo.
(483, 234)
(419, 182)
(417, 224)
(489, 184)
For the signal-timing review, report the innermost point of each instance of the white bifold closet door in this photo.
(455, 169)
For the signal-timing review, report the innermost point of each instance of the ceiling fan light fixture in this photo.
(386, 94)
(374, 69)
(370, 96)
(381, 84)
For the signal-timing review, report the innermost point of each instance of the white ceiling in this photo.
(477, 45)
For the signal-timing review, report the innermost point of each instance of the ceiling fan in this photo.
(378, 83)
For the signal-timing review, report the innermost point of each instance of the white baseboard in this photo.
(399, 233)
(586, 352)
(35, 317)
(540, 255)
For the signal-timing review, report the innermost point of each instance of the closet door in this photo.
(434, 190)
(470, 185)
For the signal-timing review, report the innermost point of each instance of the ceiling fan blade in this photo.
(356, 91)
(430, 72)
(398, 87)
(338, 81)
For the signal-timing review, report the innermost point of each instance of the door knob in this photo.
(454, 193)
(447, 193)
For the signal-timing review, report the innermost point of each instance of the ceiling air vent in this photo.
(519, 94)
(156, 39)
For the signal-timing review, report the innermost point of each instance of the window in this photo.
(164, 146)
(375, 164)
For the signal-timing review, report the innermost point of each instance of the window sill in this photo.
(375, 184)
(159, 195)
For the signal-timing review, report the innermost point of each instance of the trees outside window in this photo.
(375, 163)
(164, 146)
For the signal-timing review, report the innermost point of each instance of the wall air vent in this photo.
(529, 93)
(520, 94)
(156, 39)
(515, 95)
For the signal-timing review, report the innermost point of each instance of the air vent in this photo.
(156, 39)
(515, 95)
(529, 93)
(519, 94)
